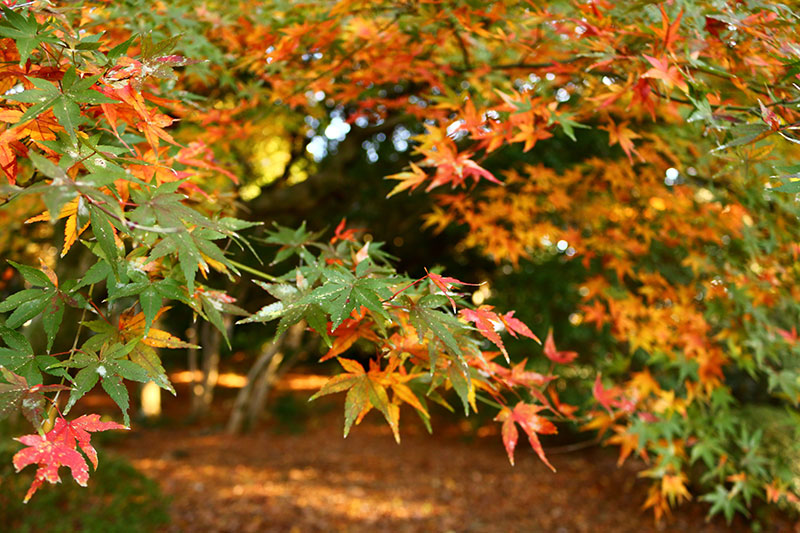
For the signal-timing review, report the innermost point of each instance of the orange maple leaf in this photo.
(662, 70)
(526, 416)
(620, 134)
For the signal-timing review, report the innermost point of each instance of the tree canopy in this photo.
(645, 148)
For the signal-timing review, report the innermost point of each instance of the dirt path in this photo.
(318, 482)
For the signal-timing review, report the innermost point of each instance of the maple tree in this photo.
(127, 123)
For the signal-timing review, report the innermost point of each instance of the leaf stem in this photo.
(392, 297)
(252, 270)
(74, 347)
(487, 401)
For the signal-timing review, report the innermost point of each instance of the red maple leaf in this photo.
(612, 397)
(486, 319)
(769, 116)
(789, 336)
(57, 448)
(77, 432)
(554, 355)
(531, 423)
(445, 283)
(526, 378)
(515, 325)
(564, 408)
(342, 234)
(603, 396)
(669, 32)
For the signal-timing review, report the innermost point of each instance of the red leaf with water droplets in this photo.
(77, 432)
(49, 455)
(485, 319)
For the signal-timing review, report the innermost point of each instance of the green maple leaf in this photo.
(292, 306)
(110, 366)
(342, 293)
(26, 32)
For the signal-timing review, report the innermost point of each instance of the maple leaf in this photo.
(627, 442)
(49, 456)
(669, 32)
(594, 314)
(531, 423)
(612, 397)
(562, 358)
(348, 332)
(789, 336)
(199, 156)
(17, 394)
(342, 234)
(451, 166)
(673, 487)
(774, 491)
(770, 117)
(57, 448)
(486, 321)
(620, 134)
(408, 180)
(516, 326)
(78, 432)
(529, 133)
(71, 230)
(564, 408)
(131, 326)
(516, 376)
(445, 284)
(662, 70)
(439, 218)
(365, 390)
(657, 501)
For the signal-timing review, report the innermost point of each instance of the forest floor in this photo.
(297, 474)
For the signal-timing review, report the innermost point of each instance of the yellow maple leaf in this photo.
(71, 231)
(408, 180)
(133, 325)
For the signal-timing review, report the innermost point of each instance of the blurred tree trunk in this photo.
(238, 414)
(274, 371)
(195, 389)
(210, 343)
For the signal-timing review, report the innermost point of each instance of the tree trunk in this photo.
(277, 368)
(211, 341)
(195, 388)
(260, 392)
(237, 418)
